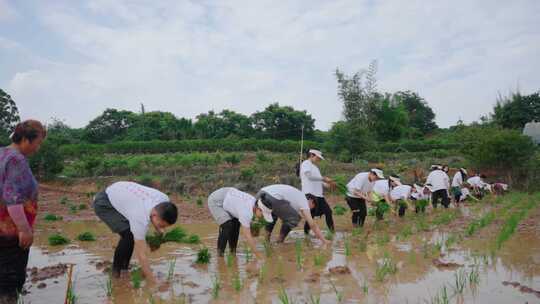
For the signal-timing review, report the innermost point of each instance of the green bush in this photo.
(247, 174)
(58, 239)
(86, 237)
(49, 161)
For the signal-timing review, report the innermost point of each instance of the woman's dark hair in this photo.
(167, 211)
(463, 174)
(29, 129)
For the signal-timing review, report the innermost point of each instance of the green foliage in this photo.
(48, 161)
(298, 254)
(136, 277)
(349, 137)
(86, 237)
(52, 217)
(384, 268)
(247, 174)
(216, 287)
(283, 297)
(177, 234)
(203, 256)
(9, 115)
(111, 125)
(145, 180)
(58, 239)
(225, 124)
(516, 110)
(83, 206)
(391, 120)
(199, 202)
(460, 281)
(282, 122)
(339, 209)
(233, 158)
(237, 282)
(421, 116)
(192, 239)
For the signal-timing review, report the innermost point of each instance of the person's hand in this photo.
(26, 238)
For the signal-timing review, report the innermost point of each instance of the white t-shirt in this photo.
(457, 180)
(135, 203)
(381, 187)
(295, 197)
(438, 179)
(240, 205)
(311, 178)
(360, 183)
(401, 192)
(464, 193)
(477, 181)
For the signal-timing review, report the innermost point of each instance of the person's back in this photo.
(311, 179)
(438, 179)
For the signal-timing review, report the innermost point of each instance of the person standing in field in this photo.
(457, 184)
(290, 205)
(438, 182)
(313, 183)
(233, 210)
(359, 192)
(129, 209)
(18, 207)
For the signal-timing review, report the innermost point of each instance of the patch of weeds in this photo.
(216, 287)
(383, 239)
(203, 256)
(136, 277)
(52, 217)
(86, 237)
(421, 224)
(58, 239)
(361, 245)
(357, 231)
(237, 282)
(339, 210)
(73, 209)
(412, 257)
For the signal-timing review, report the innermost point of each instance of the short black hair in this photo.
(29, 129)
(310, 196)
(167, 211)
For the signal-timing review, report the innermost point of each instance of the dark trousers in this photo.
(441, 194)
(402, 206)
(286, 225)
(321, 208)
(13, 262)
(123, 252)
(228, 233)
(359, 210)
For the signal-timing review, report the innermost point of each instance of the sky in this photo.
(70, 60)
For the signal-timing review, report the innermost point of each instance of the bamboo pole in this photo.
(70, 272)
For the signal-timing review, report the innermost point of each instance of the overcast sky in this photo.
(73, 59)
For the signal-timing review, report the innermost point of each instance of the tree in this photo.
(421, 116)
(279, 122)
(159, 125)
(350, 137)
(60, 133)
(110, 126)
(9, 116)
(225, 124)
(49, 160)
(391, 119)
(515, 111)
(357, 92)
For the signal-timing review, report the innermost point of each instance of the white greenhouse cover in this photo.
(532, 129)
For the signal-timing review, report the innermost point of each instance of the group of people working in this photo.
(129, 209)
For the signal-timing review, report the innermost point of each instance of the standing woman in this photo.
(313, 183)
(457, 183)
(18, 207)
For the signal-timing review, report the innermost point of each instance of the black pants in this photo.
(359, 210)
(228, 233)
(13, 262)
(321, 208)
(441, 194)
(402, 206)
(123, 252)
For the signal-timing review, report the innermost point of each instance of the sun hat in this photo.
(378, 172)
(395, 179)
(316, 153)
(267, 213)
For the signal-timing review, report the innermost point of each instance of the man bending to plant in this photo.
(234, 211)
(128, 209)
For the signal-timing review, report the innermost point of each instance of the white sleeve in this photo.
(307, 171)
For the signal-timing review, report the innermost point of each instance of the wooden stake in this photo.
(70, 272)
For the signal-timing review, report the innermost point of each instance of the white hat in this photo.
(418, 188)
(395, 179)
(378, 172)
(464, 171)
(267, 213)
(316, 153)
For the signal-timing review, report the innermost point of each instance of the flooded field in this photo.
(458, 255)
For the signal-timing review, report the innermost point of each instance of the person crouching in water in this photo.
(382, 189)
(457, 184)
(129, 209)
(401, 196)
(312, 184)
(359, 192)
(420, 193)
(290, 205)
(439, 182)
(234, 210)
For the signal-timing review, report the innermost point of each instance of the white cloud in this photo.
(191, 57)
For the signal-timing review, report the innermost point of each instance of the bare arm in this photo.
(246, 234)
(141, 250)
(307, 216)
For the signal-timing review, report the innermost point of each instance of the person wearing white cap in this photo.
(478, 185)
(421, 193)
(457, 183)
(359, 191)
(233, 210)
(382, 188)
(312, 184)
(290, 205)
(439, 182)
(400, 196)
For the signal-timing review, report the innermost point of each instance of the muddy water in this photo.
(416, 281)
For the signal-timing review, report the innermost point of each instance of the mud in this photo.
(522, 288)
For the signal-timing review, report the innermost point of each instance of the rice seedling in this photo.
(229, 259)
(199, 202)
(405, 233)
(347, 245)
(460, 280)
(421, 224)
(192, 239)
(383, 239)
(314, 299)
(73, 209)
(108, 286)
(361, 245)
(83, 207)
(357, 231)
(339, 294)
(386, 267)
(474, 277)
(170, 269)
(71, 296)
(329, 235)
(450, 240)
(298, 254)
(247, 253)
(412, 257)
(283, 297)
(441, 297)
(63, 200)
(216, 287)
(339, 210)
(262, 273)
(52, 217)
(177, 235)
(510, 225)
(20, 298)
(237, 282)
(341, 184)
(136, 277)
(203, 256)
(365, 287)
(86, 237)
(267, 248)
(58, 239)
